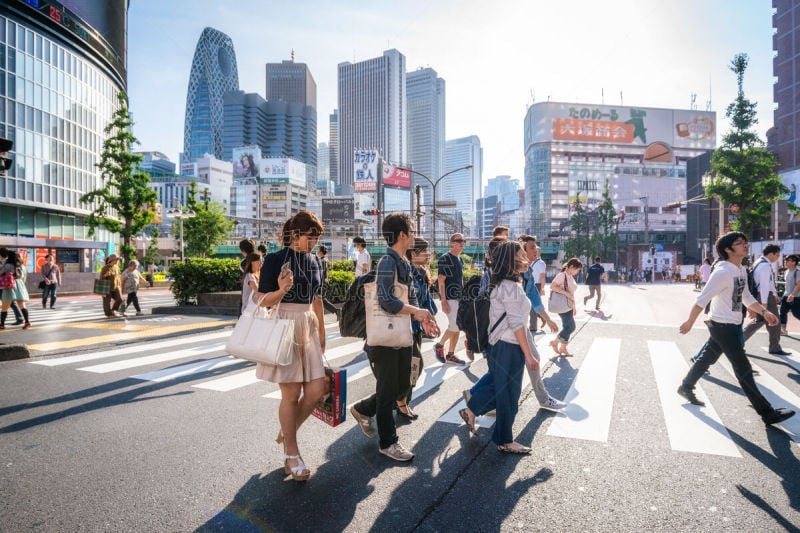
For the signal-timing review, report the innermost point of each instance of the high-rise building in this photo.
(372, 109)
(62, 68)
(425, 93)
(279, 128)
(291, 82)
(213, 73)
(323, 162)
(464, 186)
(573, 150)
(333, 149)
(156, 163)
(784, 137)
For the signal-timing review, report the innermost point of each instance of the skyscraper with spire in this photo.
(213, 73)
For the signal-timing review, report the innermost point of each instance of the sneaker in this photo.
(777, 415)
(453, 360)
(122, 309)
(784, 331)
(397, 452)
(139, 313)
(438, 350)
(552, 405)
(689, 395)
(364, 422)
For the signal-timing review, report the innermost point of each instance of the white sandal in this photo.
(299, 472)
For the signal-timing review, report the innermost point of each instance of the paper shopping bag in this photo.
(331, 409)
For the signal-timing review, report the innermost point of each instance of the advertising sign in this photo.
(189, 169)
(638, 126)
(283, 170)
(396, 200)
(365, 170)
(396, 176)
(338, 209)
(41, 253)
(246, 161)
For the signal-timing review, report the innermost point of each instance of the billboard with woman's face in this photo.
(246, 161)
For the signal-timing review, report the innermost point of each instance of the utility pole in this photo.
(419, 212)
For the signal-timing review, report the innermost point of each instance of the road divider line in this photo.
(691, 428)
(590, 399)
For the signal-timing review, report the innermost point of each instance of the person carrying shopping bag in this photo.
(563, 287)
(111, 273)
(51, 277)
(131, 280)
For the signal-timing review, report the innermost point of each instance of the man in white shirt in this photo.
(362, 256)
(726, 290)
(764, 277)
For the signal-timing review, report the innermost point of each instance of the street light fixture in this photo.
(433, 187)
(180, 213)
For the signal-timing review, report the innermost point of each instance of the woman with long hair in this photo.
(290, 277)
(564, 283)
(19, 293)
(509, 349)
(250, 277)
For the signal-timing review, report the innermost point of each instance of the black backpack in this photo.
(473, 315)
(353, 319)
(751, 281)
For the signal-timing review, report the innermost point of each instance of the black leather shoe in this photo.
(781, 352)
(18, 322)
(689, 395)
(405, 411)
(777, 415)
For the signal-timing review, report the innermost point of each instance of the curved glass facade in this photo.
(55, 101)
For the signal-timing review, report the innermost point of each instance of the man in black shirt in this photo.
(451, 281)
(594, 277)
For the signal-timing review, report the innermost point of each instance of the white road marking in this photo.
(188, 369)
(152, 359)
(229, 383)
(793, 360)
(691, 428)
(591, 397)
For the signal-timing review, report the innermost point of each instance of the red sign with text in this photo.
(396, 176)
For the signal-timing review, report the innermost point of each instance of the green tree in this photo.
(152, 256)
(578, 244)
(208, 228)
(124, 204)
(605, 236)
(743, 169)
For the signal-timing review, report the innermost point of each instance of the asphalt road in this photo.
(173, 435)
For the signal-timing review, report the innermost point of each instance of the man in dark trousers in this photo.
(726, 290)
(764, 277)
(595, 276)
(322, 252)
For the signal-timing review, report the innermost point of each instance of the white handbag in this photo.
(386, 329)
(260, 336)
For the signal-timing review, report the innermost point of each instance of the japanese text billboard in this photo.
(365, 170)
(396, 176)
(339, 210)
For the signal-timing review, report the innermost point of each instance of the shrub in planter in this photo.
(197, 276)
(345, 265)
(338, 283)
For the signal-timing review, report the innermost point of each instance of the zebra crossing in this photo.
(200, 362)
(87, 309)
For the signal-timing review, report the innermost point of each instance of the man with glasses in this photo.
(726, 290)
(451, 282)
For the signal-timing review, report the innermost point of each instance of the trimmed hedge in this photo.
(338, 283)
(345, 265)
(197, 276)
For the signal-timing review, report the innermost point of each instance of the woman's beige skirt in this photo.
(307, 362)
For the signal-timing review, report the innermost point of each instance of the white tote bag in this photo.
(262, 337)
(386, 329)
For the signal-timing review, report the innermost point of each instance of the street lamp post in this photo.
(180, 213)
(433, 187)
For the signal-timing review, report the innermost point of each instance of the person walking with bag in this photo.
(290, 277)
(251, 277)
(390, 363)
(509, 346)
(789, 303)
(51, 277)
(12, 266)
(131, 280)
(562, 301)
(419, 256)
(111, 273)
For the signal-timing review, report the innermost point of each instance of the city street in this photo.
(169, 433)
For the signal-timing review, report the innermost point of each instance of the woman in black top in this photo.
(297, 289)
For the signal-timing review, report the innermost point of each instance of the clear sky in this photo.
(496, 57)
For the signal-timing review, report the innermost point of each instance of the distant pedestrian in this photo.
(51, 276)
(595, 276)
(451, 282)
(726, 291)
(246, 247)
(291, 277)
(509, 349)
(19, 293)
(564, 283)
(111, 273)
(262, 249)
(767, 294)
(363, 260)
(501, 231)
(251, 277)
(705, 272)
(325, 266)
(131, 281)
(789, 302)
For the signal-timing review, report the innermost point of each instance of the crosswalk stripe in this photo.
(691, 428)
(591, 396)
(188, 369)
(137, 348)
(152, 359)
(232, 382)
(776, 394)
(355, 372)
(793, 360)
